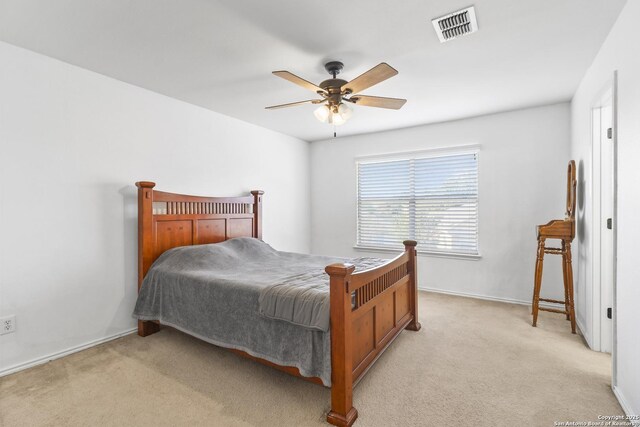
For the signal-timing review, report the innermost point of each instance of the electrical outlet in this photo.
(7, 325)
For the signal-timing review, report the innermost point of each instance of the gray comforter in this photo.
(243, 294)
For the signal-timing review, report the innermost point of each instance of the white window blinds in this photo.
(433, 200)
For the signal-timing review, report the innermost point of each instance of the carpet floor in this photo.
(475, 363)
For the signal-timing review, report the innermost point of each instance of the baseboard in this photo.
(625, 406)
(484, 297)
(42, 360)
(586, 338)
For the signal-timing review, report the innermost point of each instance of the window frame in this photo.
(415, 155)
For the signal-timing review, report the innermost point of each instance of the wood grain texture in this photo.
(377, 74)
(369, 309)
(299, 81)
(379, 102)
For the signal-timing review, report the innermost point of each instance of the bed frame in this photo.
(369, 309)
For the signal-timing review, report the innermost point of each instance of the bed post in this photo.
(342, 411)
(145, 244)
(410, 248)
(257, 213)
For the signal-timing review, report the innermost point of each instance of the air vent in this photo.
(456, 24)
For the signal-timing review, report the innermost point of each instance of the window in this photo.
(428, 197)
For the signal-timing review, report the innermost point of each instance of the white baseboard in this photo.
(42, 360)
(484, 297)
(581, 327)
(625, 405)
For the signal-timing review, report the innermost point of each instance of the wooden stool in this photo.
(564, 230)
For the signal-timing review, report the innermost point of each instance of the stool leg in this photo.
(565, 280)
(537, 282)
(572, 312)
(538, 270)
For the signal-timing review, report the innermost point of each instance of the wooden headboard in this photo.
(167, 220)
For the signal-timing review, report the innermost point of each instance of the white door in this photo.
(606, 225)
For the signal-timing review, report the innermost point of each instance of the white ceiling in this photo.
(220, 54)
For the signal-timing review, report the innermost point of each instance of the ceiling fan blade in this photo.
(378, 101)
(299, 81)
(293, 104)
(377, 74)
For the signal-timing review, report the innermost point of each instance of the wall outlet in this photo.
(7, 325)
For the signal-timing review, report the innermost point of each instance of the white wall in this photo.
(523, 160)
(619, 52)
(72, 143)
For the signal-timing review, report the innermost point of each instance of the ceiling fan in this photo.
(336, 93)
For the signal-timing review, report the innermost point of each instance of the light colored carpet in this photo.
(473, 363)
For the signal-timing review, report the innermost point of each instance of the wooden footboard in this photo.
(369, 309)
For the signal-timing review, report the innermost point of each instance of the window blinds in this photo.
(433, 200)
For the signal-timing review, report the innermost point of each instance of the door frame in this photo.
(608, 95)
(614, 317)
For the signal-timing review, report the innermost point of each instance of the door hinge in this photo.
(610, 133)
(609, 313)
(609, 223)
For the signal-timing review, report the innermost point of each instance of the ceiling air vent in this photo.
(456, 24)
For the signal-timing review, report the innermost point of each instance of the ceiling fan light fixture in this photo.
(337, 120)
(345, 111)
(340, 115)
(323, 113)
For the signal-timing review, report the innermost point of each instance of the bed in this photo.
(333, 342)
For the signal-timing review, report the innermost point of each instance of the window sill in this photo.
(420, 253)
